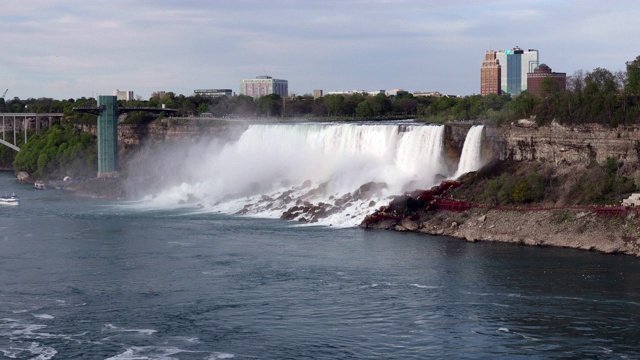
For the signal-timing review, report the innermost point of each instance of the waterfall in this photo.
(471, 158)
(331, 174)
(421, 150)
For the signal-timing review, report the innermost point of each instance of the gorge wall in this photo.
(557, 144)
(566, 145)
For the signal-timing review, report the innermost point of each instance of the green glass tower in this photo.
(107, 136)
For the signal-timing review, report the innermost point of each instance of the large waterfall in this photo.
(330, 174)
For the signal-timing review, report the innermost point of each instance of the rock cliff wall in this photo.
(562, 145)
(557, 144)
(131, 136)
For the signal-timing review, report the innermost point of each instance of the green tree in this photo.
(364, 110)
(601, 80)
(335, 104)
(270, 105)
(632, 85)
(523, 104)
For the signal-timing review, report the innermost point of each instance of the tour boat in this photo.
(11, 200)
(39, 185)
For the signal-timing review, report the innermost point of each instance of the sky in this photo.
(76, 48)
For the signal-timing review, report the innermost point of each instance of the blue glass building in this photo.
(516, 63)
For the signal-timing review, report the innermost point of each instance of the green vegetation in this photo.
(521, 183)
(58, 152)
(602, 184)
(510, 189)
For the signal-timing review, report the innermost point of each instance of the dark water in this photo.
(86, 279)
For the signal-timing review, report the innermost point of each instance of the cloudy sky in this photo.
(75, 48)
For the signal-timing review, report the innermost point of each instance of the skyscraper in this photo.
(516, 64)
(490, 74)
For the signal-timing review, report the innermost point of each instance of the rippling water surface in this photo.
(87, 279)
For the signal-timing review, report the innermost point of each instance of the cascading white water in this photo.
(325, 173)
(471, 157)
(421, 150)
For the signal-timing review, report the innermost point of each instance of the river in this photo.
(94, 279)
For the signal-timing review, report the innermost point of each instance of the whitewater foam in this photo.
(326, 174)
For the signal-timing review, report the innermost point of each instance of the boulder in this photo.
(399, 228)
(408, 224)
(22, 176)
(368, 190)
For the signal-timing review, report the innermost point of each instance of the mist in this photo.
(271, 169)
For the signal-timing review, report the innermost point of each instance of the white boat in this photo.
(11, 200)
(39, 185)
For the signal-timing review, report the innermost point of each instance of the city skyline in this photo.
(72, 48)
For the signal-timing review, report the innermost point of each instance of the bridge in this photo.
(107, 112)
(22, 121)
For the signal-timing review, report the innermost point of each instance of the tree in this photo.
(601, 80)
(548, 87)
(380, 104)
(405, 106)
(523, 104)
(270, 105)
(364, 110)
(575, 82)
(335, 104)
(632, 84)
(203, 108)
(243, 105)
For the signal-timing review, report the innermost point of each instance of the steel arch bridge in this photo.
(22, 121)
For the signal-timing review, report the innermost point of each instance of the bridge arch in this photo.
(9, 145)
(22, 121)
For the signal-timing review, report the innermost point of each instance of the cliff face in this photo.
(558, 144)
(130, 136)
(172, 130)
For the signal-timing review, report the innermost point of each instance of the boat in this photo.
(11, 200)
(39, 185)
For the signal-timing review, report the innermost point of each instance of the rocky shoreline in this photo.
(576, 229)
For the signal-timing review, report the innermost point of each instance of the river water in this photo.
(90, 279)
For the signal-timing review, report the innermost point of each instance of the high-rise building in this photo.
(264, 85)
(515, 65)
(490, 74)
(535, 78)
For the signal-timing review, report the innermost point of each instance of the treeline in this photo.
(598, 96)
